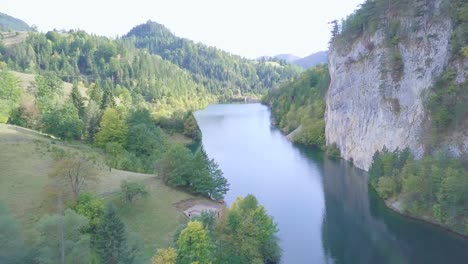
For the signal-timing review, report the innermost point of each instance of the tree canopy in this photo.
(301, 103)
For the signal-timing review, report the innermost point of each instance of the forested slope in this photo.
(111, 67)
(300, 104)
(9, 23)
(224, 74)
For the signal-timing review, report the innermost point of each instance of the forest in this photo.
(301, 104)
(223, 74)
(435, 187)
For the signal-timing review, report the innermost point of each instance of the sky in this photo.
(250, 28)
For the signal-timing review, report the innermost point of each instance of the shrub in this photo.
(332, 150)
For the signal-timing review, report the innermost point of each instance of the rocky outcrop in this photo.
(370, 104)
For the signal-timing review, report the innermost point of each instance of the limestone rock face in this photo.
(369, 104)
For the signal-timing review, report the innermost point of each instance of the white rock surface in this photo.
(367, 107)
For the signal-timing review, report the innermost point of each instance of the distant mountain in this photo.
(306, 62)
(287, 57)
(312, 60)
(222, 73)
(9, 23)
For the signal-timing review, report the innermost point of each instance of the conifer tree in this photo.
(77, 100)
(111, 239)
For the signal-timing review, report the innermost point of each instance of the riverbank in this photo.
(328, 211)
(395, 206)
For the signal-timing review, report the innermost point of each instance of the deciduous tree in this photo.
(194, 245)
(165, 256)
(70, 246)
(132, 189)
(12, 247)
(74, 171)
(113, 129)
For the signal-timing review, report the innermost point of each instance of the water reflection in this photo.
(358, 228)
(323, 207)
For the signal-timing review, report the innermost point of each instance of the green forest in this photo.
(223, 74)
(434, 187)
(301, 103)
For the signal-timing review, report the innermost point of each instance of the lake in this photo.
(323, 207)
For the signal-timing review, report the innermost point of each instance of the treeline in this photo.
(434, 187)
(243, 233)
(109, 66)
(301, 104)
(223, 74)
(374, 15)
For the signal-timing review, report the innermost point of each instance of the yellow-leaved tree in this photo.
(165, 256)
(113, 129)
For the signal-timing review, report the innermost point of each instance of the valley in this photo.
(354, 154)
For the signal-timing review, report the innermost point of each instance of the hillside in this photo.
(298, 107)
(26, 159)
(9, 23)
(307, 62)
(12, 38)
(287, 57)
(222, 73)
(312, 60)
(111, 65)
(26, 80)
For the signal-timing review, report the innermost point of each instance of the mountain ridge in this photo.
(223, 73)
(9, 23)
(306, 62)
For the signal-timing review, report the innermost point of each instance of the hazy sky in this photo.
(250, 28)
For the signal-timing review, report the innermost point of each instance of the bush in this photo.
(332, 150)
(132, 189)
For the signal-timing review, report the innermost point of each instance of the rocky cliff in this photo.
(379, 80)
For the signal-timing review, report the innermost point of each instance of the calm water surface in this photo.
(323, 207)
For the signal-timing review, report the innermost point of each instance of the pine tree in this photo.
(107, 98)
(111, 239)
(77, 100)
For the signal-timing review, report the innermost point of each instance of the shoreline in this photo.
(400, 212)
(388, 204)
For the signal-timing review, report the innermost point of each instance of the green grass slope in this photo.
(26, 157)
